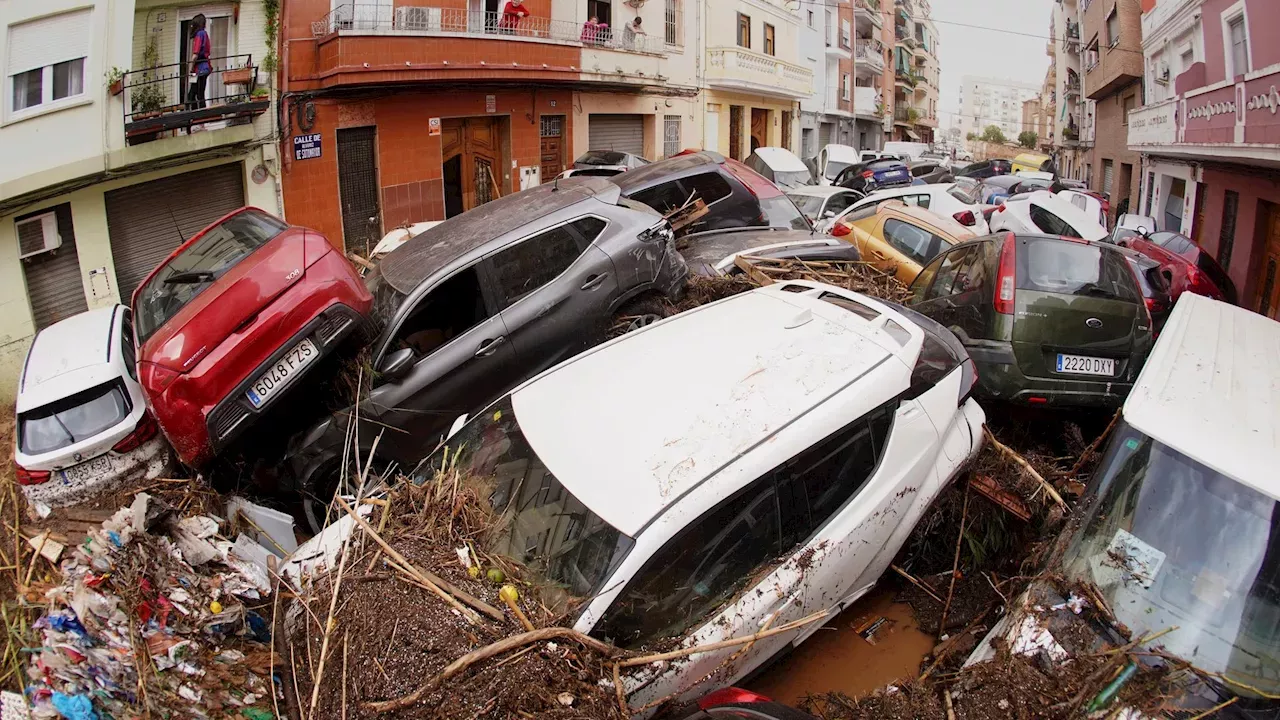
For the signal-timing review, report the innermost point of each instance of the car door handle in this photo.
(488, 347)
(594, 281)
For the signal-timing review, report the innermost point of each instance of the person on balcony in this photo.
(512, 13)
(631, 34)
(200, 67)
(591, 31)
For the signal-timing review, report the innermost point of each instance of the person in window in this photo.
(593, 31)
(633, 31)
(512, 13)
(200, 67)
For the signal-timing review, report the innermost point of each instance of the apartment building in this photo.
(1209, 134)
(915, 72)
(1038, 119)
(1112, 60)
(842, 44)
(989, 101)
(109, 163)
(1074, 115)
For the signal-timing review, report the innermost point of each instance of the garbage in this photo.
(271, 529)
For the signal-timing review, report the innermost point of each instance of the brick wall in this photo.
(1112, 143)
(1116, 65)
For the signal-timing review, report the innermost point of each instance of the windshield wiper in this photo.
(191, 276)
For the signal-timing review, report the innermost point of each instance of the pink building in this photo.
(1210, 134)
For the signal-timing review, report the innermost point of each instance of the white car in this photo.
(1089, 205)
(82, 425)
(821, 203)
(772, 475)
(1043, 212)
(945, 199)
(398, 237)
(832, 159)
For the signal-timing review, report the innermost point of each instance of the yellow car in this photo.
(899, 238)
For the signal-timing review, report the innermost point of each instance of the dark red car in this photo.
(734, 702)
(232, 319)
(1182, 274)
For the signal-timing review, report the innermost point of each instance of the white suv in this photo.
(764, 456)
(82, 425)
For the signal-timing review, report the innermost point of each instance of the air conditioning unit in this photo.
(418, 18)
(38, 235)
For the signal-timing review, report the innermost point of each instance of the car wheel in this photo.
(318, 490)
(640, 313)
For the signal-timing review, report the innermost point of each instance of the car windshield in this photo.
(73, 419)
(217, 250)
(780, 212)
(1169, 542)
(810, 205)
(602, 157)
(541, 524)
(834, 167)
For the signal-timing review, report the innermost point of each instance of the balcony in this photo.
(906, 80)
(1071, 87)
(868, 11)
(836, 102)
(158, 104)
(906, 114)
(737, 68)
(1071, 38)
(870, 55)
(867, 102)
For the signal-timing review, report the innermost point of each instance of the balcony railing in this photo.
(869, 9)
(381, 19)
(1071, 87)
(741, 68)
(870, 51)
(866, 101)
(163, 98)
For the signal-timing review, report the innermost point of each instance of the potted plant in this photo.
(147, 101)
(260, 93)
(237, 76)
(115, 81)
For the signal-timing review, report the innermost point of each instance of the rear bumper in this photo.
(148, 461)
(999, 378)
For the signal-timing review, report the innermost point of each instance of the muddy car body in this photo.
(774, 474)
(485, 300)
(715, 252)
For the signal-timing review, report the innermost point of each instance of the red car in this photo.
(1182, 274)
(232, 319)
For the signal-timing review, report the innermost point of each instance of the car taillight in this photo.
(868, 173)
(156, 378)
(731, 696)
(968, 379)
(31, 477)
(841, 229)
(966, 218)
(1005, 277)
(145, 430)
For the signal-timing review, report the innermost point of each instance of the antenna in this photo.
(555, 184)
(169, 207)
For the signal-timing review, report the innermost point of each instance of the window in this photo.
(1126, 108)
(1072, 268)
(713, 558)
(1051, 223)
(127, 352)
(1238, 47)
(844, 87)
(1227, 237)
(447, 311)
(670, 135)
(73, 419)
(601, 10)
(672, 24)
(531, 263)
(744, 31)
(857, 308)
(46, 60)
(837, 204)
(846, 33)
(769, 47)
(916, 243)
(1113, 28)
(921, 201)
(709, 186)
(947, 271)
(1108, 173)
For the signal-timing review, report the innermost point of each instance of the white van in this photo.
(832, 159)
(904, 150)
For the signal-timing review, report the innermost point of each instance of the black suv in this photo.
(736, 196)
(986, 168)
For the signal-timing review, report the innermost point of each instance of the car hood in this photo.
(231, 301)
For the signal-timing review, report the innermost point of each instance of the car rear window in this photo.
(72, 419)
(1064, 267)
(602, 157)
(759, 185)
(964, 192)
(810, 205)
(780, 212)
(179, 281)
(1047, 221)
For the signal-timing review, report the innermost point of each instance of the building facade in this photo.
(987, 101)
(1112, 57)
(110, 163)
(915, 72)
(1074, 115)
(1208, 137)
(826, 42)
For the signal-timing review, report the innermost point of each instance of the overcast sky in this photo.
(988, 50)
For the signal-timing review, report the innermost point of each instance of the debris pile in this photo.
(155, 613)
(849, 274)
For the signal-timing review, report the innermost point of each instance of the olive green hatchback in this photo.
(1047, 320)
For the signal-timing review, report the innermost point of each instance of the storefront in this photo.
(739, 123)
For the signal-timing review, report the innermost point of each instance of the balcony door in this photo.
(220, 46)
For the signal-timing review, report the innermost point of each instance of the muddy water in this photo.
(837, 659)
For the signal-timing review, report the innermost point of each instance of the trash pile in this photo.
(155, 613)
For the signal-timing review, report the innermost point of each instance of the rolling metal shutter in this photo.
(149, 220)
(624, 133)
(1108, 174)
(53, 278)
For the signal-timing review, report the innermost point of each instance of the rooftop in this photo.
(629, 435)
(1211, 390)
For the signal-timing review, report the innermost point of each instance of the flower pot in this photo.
(116, 87)
(238, 76)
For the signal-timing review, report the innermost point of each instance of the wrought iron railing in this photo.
(171, 90)
(424, 20)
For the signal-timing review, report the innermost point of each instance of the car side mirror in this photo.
(396, 365)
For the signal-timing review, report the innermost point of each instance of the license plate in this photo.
(87, 470)
(277, 376)
(1082, 365)
(894, 174)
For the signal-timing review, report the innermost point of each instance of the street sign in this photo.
(306, 147)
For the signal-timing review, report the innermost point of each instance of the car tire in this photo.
(315, 494)
(639, 313)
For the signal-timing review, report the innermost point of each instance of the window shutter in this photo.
(49, 40)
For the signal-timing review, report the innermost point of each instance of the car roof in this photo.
(748, 367)
(423, 255)
(1211, 390)
(781, 159)
(842, 153)
(1134, 221)
(69, 356)
(818, 190)
(940, 223)
(1078, 218)
(1003, 181)
(663, 170)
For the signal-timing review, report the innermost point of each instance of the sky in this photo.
(989, 49)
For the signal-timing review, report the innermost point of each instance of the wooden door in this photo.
(1268, 284)
(759, 128)
(735, 132)
(552, 146)
(471, 154)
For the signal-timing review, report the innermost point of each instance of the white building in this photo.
(1075, 116)
(988, 101)
(843, 43)
(106, 167)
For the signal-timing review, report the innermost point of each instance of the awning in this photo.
(911, 134)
